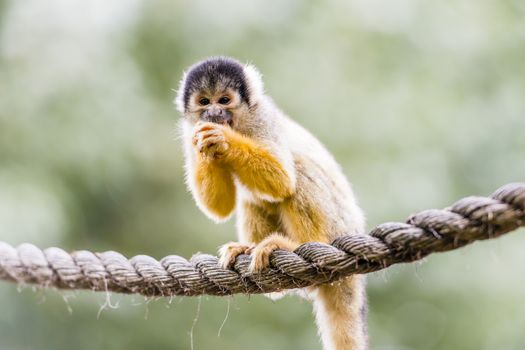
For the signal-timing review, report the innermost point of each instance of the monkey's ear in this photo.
(254, 81)
(179, 98)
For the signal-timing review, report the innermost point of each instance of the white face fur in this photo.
(207, 102)
(221, 90)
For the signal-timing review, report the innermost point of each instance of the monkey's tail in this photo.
(341, 314)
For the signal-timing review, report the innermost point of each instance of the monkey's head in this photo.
(220, 90)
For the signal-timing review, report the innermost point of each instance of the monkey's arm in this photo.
(257, 167)
(214, 189)
(211, 183)
(254, 164)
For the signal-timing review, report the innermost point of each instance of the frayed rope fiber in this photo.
(468, 220)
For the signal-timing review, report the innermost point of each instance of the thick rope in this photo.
(468, 220)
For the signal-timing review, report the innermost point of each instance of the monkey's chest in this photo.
(268, 215)
(269, 208)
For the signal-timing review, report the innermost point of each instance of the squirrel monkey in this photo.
(242, 153)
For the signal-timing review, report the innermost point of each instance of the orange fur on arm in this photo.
(215, 188)
(257, 168)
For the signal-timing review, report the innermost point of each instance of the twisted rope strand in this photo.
(468, 220)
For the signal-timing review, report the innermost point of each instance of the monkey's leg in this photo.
(230, 251)
(254, 224)
(215, 190)
(340, 311)
(261, 252)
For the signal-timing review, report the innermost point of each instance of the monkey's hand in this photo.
(210, 140)
(230, 251)
(261, 253)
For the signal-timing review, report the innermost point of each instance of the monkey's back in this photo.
(322, 189)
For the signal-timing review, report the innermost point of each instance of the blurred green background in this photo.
(421, 102)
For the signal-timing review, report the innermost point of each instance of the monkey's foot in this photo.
(230, 251)
(261, 252)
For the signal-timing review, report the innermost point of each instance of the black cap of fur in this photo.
(213, 71)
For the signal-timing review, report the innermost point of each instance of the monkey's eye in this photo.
(224, 100)
(204, 101)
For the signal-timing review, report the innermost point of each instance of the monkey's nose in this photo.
(218, 116)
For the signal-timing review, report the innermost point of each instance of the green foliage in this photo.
(421, 102)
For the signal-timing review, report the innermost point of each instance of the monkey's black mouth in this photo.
(221, 116)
